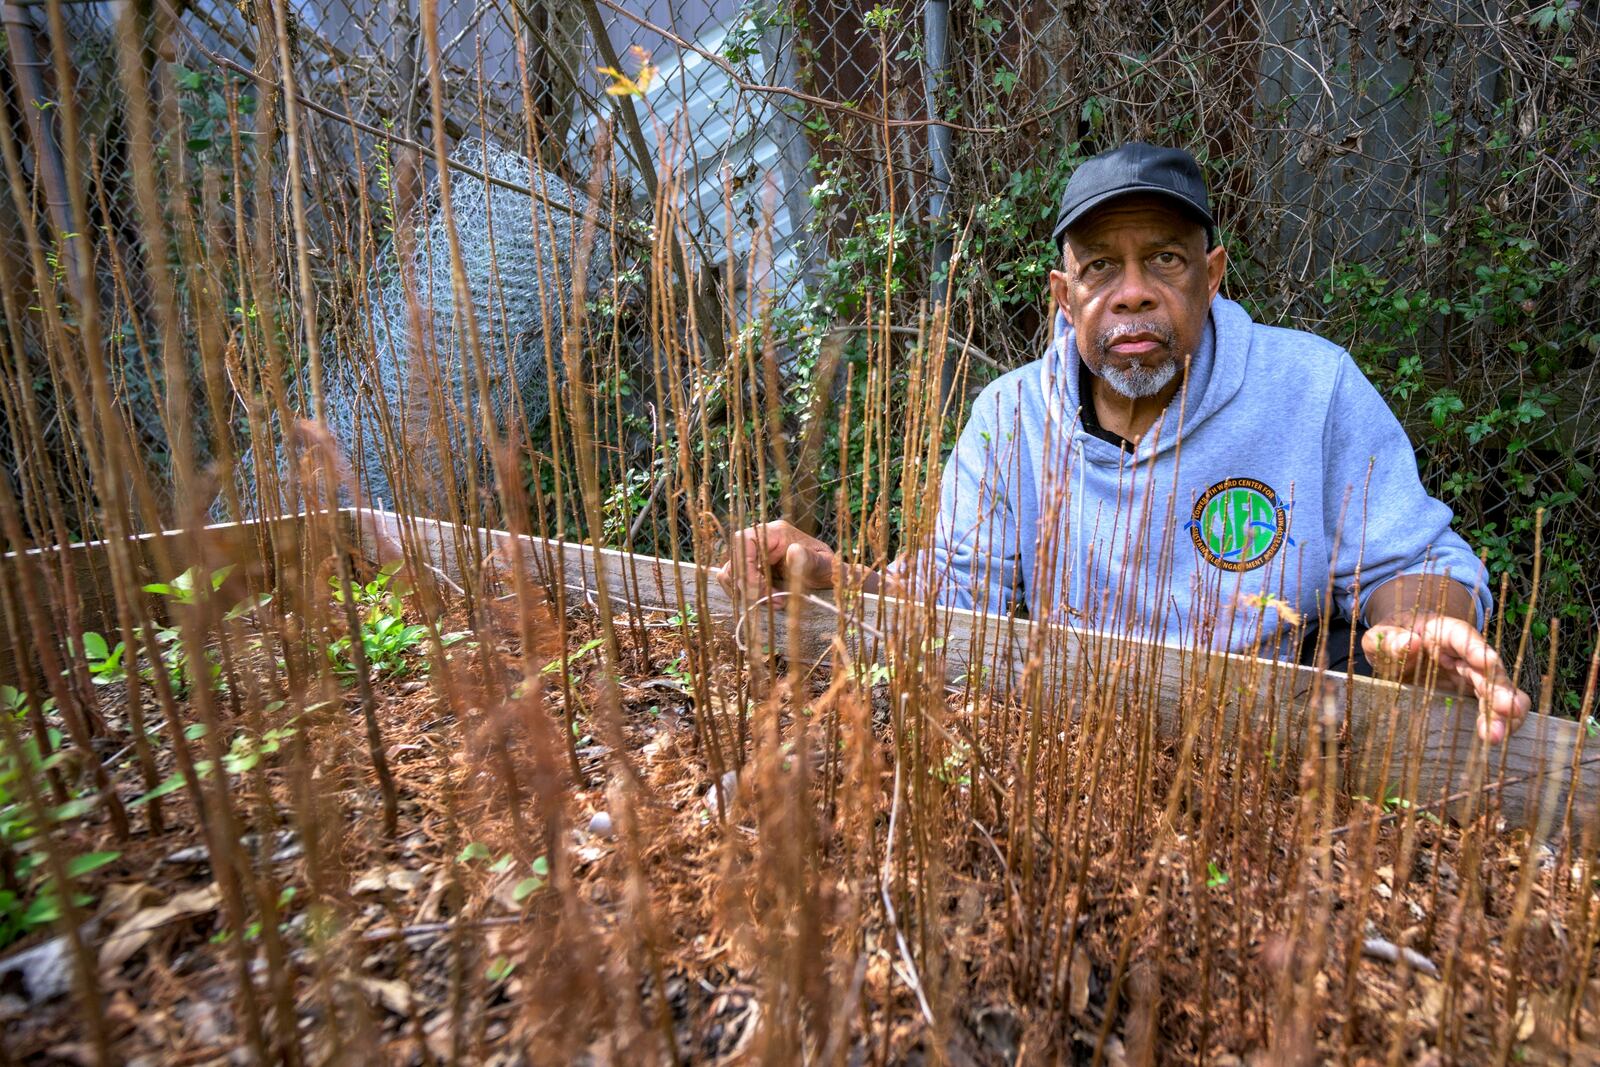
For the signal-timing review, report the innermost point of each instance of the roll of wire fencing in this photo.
(421, 374)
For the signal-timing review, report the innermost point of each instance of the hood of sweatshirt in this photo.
(1216, 373)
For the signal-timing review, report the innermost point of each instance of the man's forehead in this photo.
(1155, 219)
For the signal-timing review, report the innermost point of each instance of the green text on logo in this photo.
(1238, 524)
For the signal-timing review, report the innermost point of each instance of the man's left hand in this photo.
(1402, 647)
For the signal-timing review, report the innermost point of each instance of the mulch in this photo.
(748, 938)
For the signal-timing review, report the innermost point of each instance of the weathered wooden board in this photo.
(256, 549)
(1540, 767)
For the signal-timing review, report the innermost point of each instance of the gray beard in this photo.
(1139, 380)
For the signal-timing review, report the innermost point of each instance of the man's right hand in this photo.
(774, 558)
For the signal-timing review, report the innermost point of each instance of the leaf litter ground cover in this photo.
(754, 864)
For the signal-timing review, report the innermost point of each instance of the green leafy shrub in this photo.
(29, 898)
(386, 637)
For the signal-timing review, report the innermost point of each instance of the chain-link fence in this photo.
(1416, 182)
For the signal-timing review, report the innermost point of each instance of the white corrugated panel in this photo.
(716, 134)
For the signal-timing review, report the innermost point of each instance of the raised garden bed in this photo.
(624, 832)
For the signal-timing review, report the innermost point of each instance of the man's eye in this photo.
(1096, 266)
(1167, 259)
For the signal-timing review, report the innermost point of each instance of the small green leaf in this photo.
(94, 646)
(503, 864)
(477, 850)
(541, 867)
(583, 650)
(44, 909)
(171, 785)
(247, 605)
(53, 761)
(73, 809)
(1215, 876)
(526, 888)
(500, 969)
(78, 866)
(194, 731)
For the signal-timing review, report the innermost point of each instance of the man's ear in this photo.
(1061, 288)
(1216, 267)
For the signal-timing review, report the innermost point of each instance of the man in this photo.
(1173, 470)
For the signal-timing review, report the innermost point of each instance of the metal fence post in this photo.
(935, 39)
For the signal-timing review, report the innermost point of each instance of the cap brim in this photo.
(1197, 210)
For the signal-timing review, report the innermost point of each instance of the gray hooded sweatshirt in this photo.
(1276, 477)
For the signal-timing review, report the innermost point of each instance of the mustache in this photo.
(1112, 334)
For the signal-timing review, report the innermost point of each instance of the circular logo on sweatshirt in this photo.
(1239, 524)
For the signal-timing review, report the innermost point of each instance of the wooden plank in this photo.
(635, 582)
(1539, 767)
(256, 549)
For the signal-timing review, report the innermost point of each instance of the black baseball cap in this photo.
(1135, 168)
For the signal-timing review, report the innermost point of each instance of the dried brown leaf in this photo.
(1079, 1002)
(393, 994)
(139, 928)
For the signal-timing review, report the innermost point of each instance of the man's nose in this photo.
(1134, 292)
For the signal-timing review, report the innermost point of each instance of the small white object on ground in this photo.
(727, 789)
(192, 854)
(45, 970)
(1381, 949)
(600, 824)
